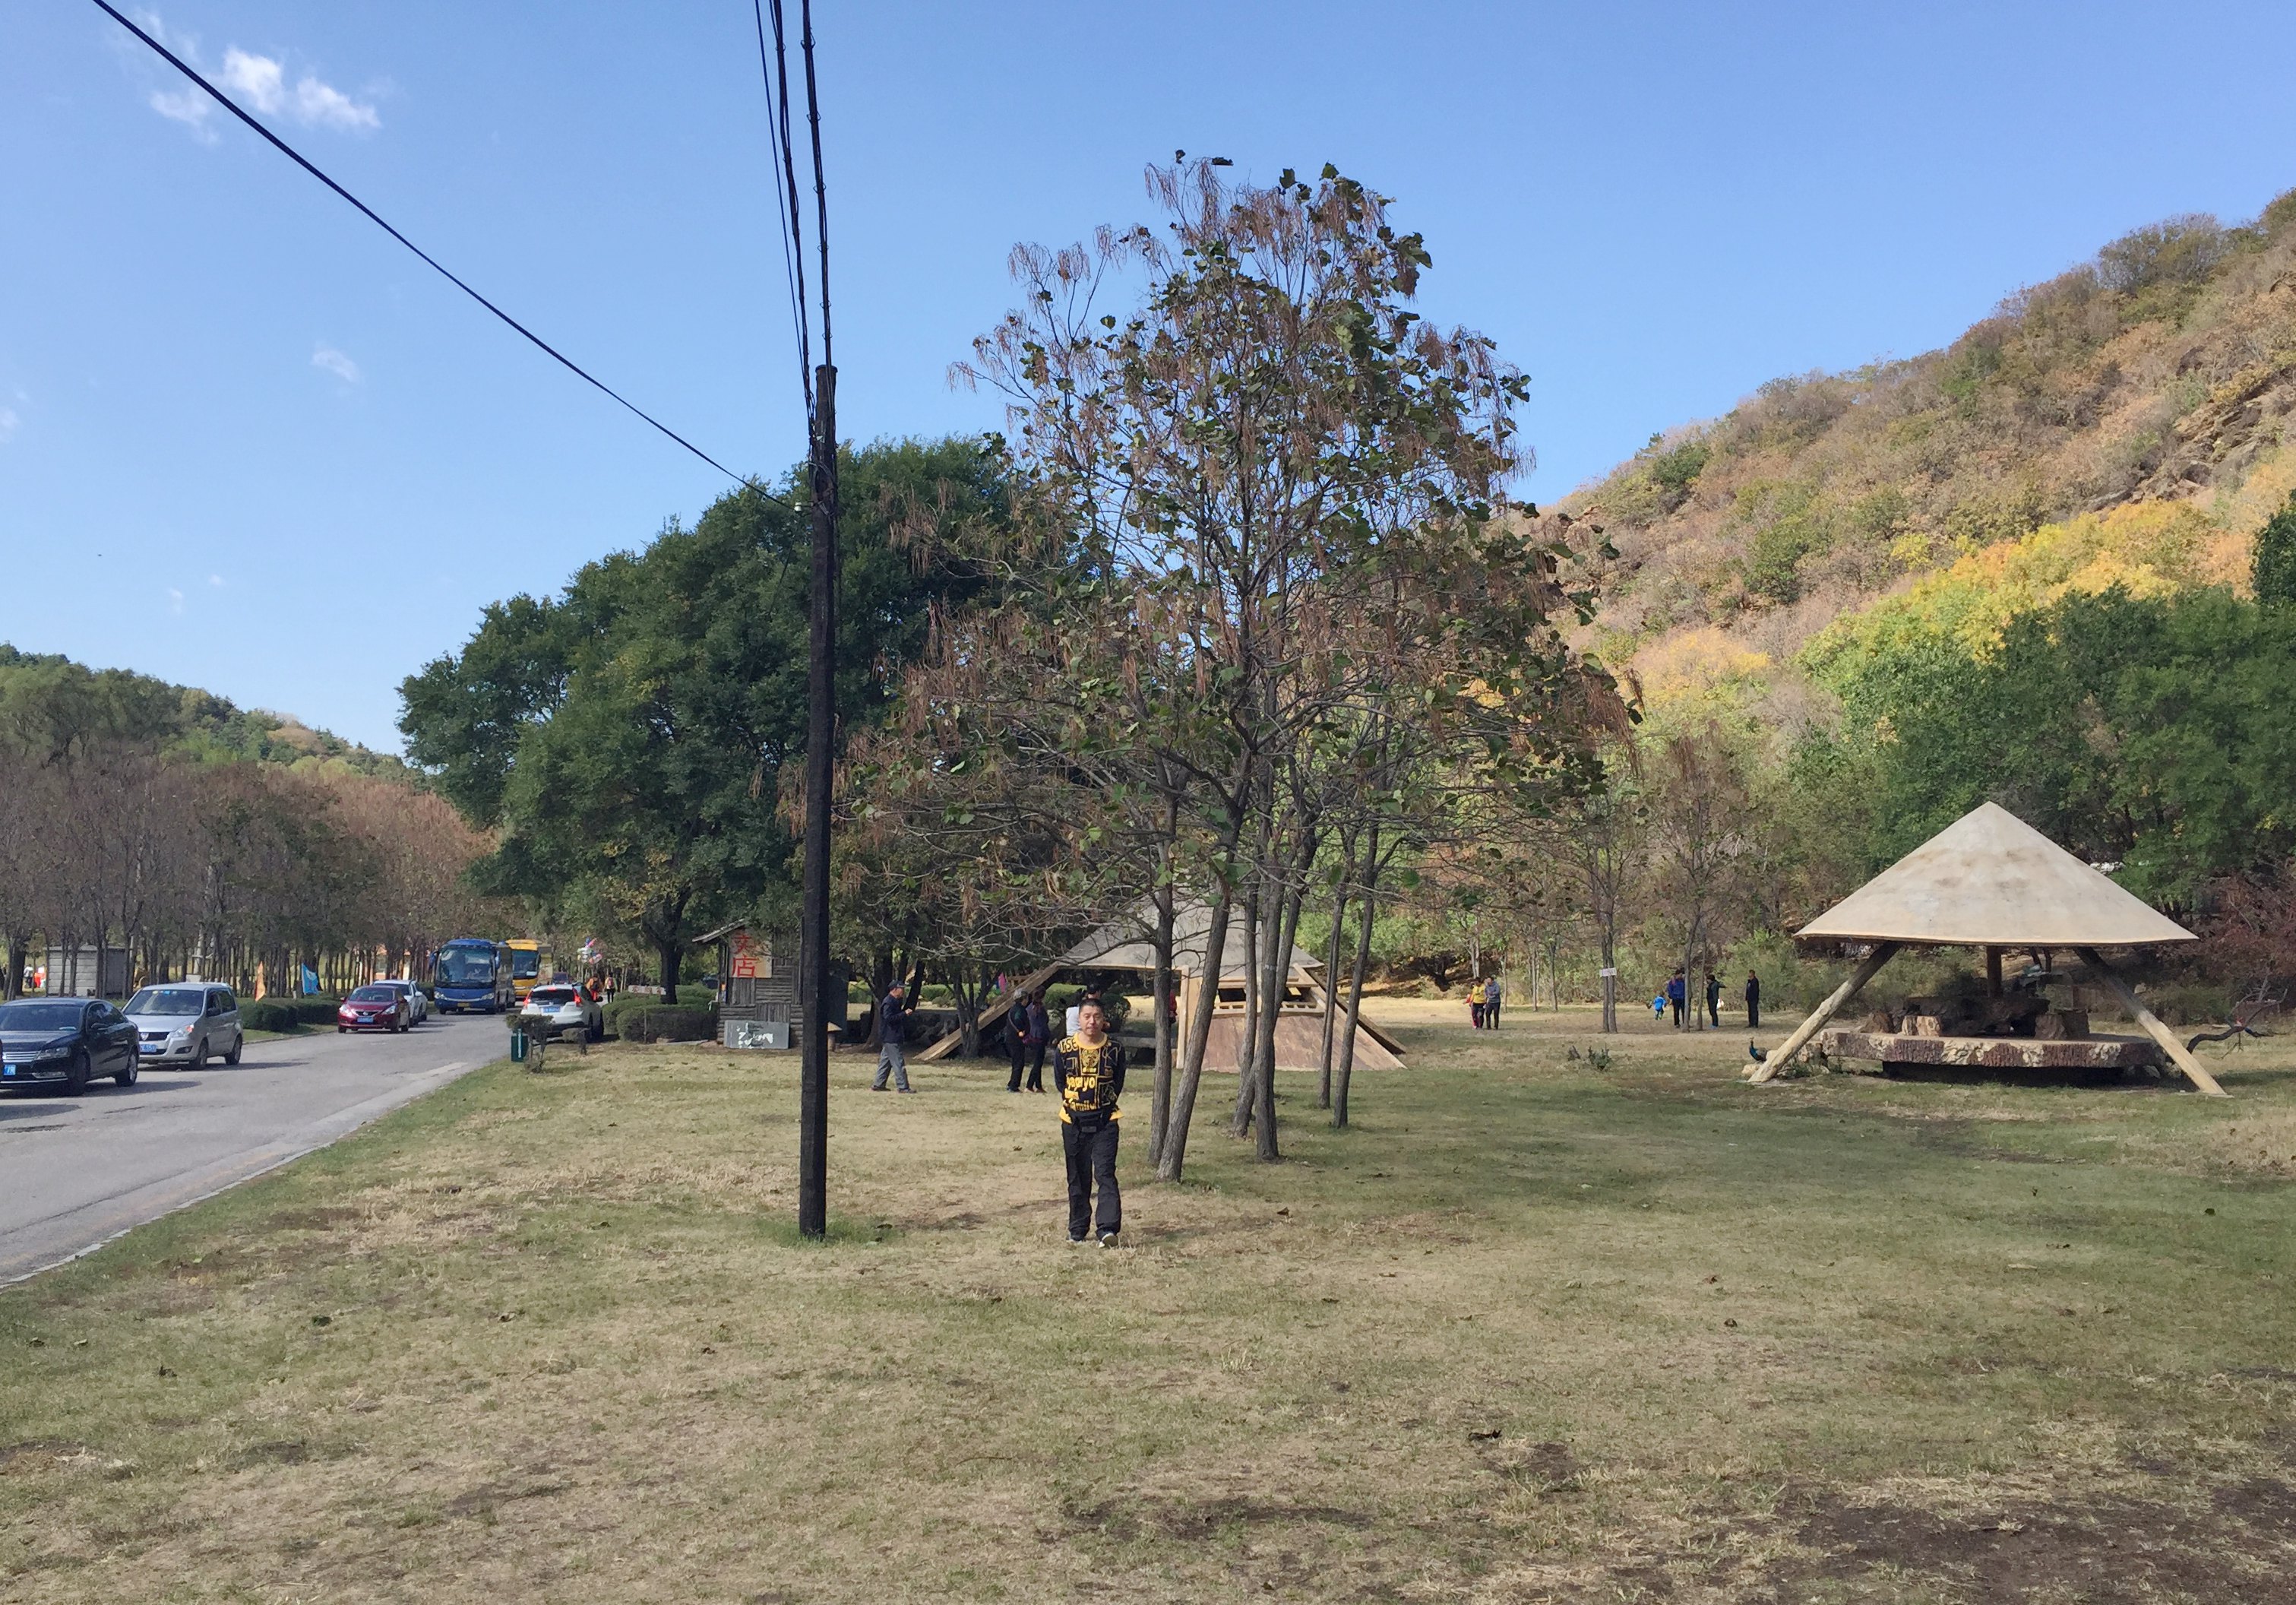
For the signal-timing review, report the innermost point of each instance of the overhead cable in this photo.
(296, 157)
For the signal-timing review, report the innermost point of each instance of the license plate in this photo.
(152, 1046)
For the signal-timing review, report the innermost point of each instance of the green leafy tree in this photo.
(626, 741)
(2275, 563)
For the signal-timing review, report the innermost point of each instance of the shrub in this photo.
(287, 1014)
(668, 1023)
(2275, 563)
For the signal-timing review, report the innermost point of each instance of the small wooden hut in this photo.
(1126, 949)
(758, 1002)
(1991, 881)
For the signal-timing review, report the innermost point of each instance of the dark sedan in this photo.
(373, 1008)
(61, 1044)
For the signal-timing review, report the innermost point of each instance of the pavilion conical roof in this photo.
(1990, 879)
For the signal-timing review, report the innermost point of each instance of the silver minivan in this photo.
(185, 1023)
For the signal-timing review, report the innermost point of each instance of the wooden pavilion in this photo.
(1125, 949)
(1991, 881)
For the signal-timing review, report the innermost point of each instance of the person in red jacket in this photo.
(1088, 1074)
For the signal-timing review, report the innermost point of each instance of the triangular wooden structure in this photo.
(1125, 946)
(1989, 880)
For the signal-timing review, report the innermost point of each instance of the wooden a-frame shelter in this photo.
(1991, 881)
(1125, 947)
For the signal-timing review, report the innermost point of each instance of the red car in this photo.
(373, 1008)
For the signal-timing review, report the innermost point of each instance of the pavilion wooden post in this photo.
(1781, 1056)
(2150, 1023)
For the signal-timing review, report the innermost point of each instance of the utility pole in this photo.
(815, 977)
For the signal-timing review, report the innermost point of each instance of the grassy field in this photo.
(1532, 1330)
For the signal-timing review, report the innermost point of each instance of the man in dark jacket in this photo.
(893, 1040)
(1031, 1033)
(1713, 1001)
(1088, 1074)
(1753, 1000)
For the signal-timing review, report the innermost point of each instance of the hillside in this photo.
(48, 702)
(2161, 372)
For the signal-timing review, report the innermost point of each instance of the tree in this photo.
(2274, 565)
(626, 740)
(1289, 487)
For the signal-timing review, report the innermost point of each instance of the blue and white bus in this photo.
(470, 973)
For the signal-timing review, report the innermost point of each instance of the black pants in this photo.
(1018, 1047)
(1676, 1004)
(1753, 1013)
(1714, 1010)
(1091, 1155)
(1036, 1066)
(1491, 1016)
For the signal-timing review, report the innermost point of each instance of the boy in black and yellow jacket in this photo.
(1088, 1074)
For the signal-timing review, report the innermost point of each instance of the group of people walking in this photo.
(1675, 995)
(1483, 1005)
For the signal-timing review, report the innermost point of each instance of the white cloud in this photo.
(263, 81)
(191, 107)
(259, 80)
(175, 601)
(8, 422)
(216, 579)
(334, 362)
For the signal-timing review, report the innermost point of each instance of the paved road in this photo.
(76, 1172)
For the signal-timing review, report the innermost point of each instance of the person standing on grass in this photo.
(1016, 1038)
(1713, 1001)
(1491, 1004)
(893, 1040)
(1658, 1006)
(1753, 1000)
(1040, 1037)
(1677, 993)
(1088, 1074)
(1474, 1007)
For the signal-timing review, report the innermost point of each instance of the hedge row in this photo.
(649, 1021)
(286, 1014)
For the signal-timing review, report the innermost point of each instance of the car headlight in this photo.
(183, 1033)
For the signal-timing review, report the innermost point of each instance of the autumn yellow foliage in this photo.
(2146, 548)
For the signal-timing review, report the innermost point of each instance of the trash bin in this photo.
(518, 1044)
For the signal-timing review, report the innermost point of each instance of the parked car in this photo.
(418, 1002)
(65, 1043)
(187, 1023)
(565, 1011)
(373, 1008)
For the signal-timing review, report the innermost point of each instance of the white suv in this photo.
(185, 1023)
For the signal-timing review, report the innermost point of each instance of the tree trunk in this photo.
(1159, 1101)
(1366, 889)
(1174, 1156)
(1332, 974)
(670, 951)
(1274, 985)
(1248, 1038)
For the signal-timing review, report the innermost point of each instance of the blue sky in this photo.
(247, 443)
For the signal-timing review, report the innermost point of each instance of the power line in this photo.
(777, 139)
(820, 186)
(296, 157)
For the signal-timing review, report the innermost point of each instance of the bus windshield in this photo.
(525, 964)
(466, 967)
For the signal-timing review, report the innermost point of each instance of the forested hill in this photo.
(49, 705)
(2163, 370)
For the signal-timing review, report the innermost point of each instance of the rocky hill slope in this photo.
(2161, 372)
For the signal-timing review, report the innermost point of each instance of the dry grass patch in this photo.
(1531, 1331)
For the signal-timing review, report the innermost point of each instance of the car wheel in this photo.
(237, 1044)
(341, 1029)
(200, 1055)
(126, 1078)
(76, 1079)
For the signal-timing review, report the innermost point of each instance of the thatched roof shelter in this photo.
(1991, 881)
